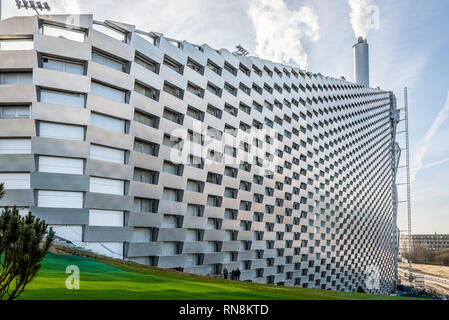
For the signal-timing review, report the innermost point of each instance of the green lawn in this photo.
(113, 280)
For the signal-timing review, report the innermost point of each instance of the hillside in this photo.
(108, 279)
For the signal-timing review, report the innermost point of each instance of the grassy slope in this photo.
(114, 280)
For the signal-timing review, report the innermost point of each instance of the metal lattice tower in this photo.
(408, 243)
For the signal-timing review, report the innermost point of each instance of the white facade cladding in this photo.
(182, 156)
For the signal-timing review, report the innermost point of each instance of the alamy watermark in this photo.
(73, 280)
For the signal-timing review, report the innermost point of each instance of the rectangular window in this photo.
(147, 91)
(109, 123)
(146, 176)
(195, 113)
(16, 44)
(147, 63)
(214, 89)
(149, 148)
(63, 65)
(146, 119)
(63, 98)
(15, 146)
(172, 194)
(59, 199)
(172, 64)
(108, 61)
(107, 154)
(109, 31)
(61, 131)
(231, 110)
(107, 218)
(244, 69)
(214, 67)
(144, 205)
(172, 168)
(108, 92)
(194, 66)
(16, 78)
(232, 90)
(61, 165)
(109, 186)
(230, 69)
(173, 90)
(14, 112)
(60, 32)
(15, 180)
(192, 88)
(173, 116)
(195, 186)
(214, 111)
(244, 88)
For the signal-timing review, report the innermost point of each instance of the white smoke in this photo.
(279, 31)
(364, 17)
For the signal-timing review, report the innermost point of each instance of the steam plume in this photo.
(279, 30)
(362, 15)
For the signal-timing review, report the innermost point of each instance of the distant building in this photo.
(432, 241)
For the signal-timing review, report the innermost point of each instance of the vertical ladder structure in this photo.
(408, 242)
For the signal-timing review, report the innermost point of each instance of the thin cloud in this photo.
(424, 144)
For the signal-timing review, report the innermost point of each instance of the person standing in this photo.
(233, 274)
(225, 273)
(237, 273)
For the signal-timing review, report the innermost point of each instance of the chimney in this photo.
(361, 62)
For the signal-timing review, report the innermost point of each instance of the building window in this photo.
(195, 66)
(232, 90)
(245, 89)
(16, 78)
(173, 116)
(63, 65)
(147, 63)
(172, 64)
(15, 112)
(244, 69)
(16, 44)
(173, 90)
(192, 88)
(108, 61)
(195, 113)
(149, 148)
(146, 176)
(108, 123)
(147, 91)
(228, 67)
(144, 205)
(107, 154)
(214, 89)
(172, 168)
(77, 100)
(146, 119)
(61, 131)
(214, 67)
(64, 33)
(214, 111)
(108, 92)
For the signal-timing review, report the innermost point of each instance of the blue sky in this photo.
(410, 48)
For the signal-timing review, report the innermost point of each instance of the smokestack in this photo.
(361, 62)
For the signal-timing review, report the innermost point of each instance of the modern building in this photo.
(181, 156)
(434, 242)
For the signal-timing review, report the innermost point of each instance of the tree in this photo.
(21, 250)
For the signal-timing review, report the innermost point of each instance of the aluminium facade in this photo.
(180, 156)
